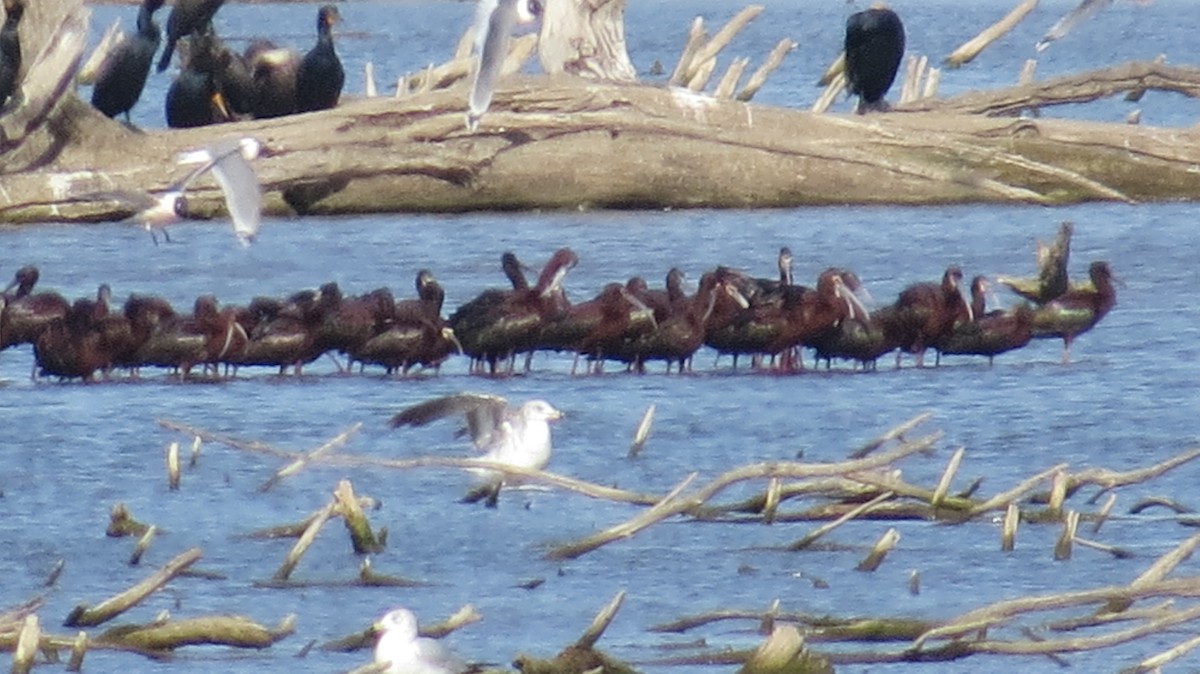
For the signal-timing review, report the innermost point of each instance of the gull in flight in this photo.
(494, 22)
(407, 653)
(229, 160)
(512, 436)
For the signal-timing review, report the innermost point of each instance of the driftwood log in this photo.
(563, 143)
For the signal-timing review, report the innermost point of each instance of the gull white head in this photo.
(407, 653)
(540, 410)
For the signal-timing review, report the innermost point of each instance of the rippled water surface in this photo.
(1127, 400)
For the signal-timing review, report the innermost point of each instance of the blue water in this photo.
(1127, 399)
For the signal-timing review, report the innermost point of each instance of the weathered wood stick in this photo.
(1136, 95)
(244, 445)
(696, 37)
(303, 462)
(1155, 663)
(642, 433)
(297, 529)
(836, 68)
(27, 645)
(519, 51)
(173, 466)
(52, 579)
(1062, 549)
(706, 55)
(702, 75)
(932, 81)
(767, 624)
(729, 81)
(759, 77)
(142, 545)
(368, 577)
(1119, 553)
(195, 456)
(896, 433)
(670, 505)
(1018, 492)
(827, 97)
(369, 89)
(91, 66)
(811, 537)
(943, 486)
(1058, 494)
(234, 631)
(784, 651)
(1157, 571)
(121, 523)
(774, 487)
(914, 582)
(361, 537)
(1008, 532)
(366, 638)
(1100, 619)
(913, 68)
(82, 616)
(78, 651)
(1002, 611)
(1105, 511)
(1152, 501)
(306, 539)
(886, 544)
(1028, 71)
(970, 49)
(601, 622)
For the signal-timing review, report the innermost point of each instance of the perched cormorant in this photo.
(187, 17)
(273, 71)
(123, 75)
(10, 49)
(874, 47)
(320, 76)
(195, 97)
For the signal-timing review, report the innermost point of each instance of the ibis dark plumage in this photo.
(187, 17)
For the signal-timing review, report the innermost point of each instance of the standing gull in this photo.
(494, 24)
(405, 652)
(518, 437)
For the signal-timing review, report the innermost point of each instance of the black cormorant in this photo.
(123, 76)
(10, 48)
(195, 98)
(320, 76)
(187, 17)
(874, 47)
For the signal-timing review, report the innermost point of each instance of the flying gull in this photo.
(407, 653)
(494, 22)
(513, 436)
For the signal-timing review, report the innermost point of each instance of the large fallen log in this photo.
(566, 143)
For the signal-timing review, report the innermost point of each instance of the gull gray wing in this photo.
(243, 194)
(494, 27)
(484, 413)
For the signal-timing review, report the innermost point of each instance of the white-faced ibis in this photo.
(514, 436)
(928, 312)
(27, 313)
(494, 24)
(282, 333)
(874, 47)
(122, 77)
(415, 335)
(776, 328)
(320, 76)
(1051, 280)
(1077, 310)
(600, 327)
(71, 347)
(498, 324)
(990, 333)
(405, 652)
(206, 337)
(678, 333)
(10, 49)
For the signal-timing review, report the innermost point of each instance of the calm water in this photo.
(1127, 400)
